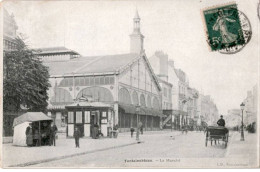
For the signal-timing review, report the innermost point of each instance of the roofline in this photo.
(151, 69)
(58, 52)
(142, 54)
(165, 82)
(86, 74)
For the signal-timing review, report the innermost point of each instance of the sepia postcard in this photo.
(130, 84)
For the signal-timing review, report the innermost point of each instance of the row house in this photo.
(177, 80)
(207, 110)
(192, 103)
(251, 105)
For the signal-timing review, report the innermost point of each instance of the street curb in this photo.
(72, 155)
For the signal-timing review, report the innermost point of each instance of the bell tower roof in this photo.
(136, 38)
(136, 14)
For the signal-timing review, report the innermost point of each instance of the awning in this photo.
(128, 108)
(89, 104)
(143, 110)
(31, 117)
(155, 112)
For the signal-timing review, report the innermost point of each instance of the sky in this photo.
(175, 27)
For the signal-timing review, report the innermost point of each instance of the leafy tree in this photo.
(25, 81)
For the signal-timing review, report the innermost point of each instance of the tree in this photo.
(25, 81)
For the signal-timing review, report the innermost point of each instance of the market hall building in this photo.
(106, 90)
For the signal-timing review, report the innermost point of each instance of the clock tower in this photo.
(136, 38)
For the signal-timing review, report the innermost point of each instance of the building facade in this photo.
(167, 121)
(9, 31)
(124, 82)
(192, 103)
(165, 70)
(251, 106)
(207, 111)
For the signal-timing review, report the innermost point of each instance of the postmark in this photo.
(228, 30)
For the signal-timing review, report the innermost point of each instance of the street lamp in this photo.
(242, 106)
(137, 109)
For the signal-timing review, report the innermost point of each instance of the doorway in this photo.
(94, 119)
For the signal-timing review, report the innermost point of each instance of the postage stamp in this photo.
(228, 29)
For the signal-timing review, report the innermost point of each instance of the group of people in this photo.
(46, 135)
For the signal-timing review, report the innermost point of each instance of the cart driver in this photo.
(221, 121)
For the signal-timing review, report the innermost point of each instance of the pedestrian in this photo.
(95, 131)
(53, 131)
(116, 131)
(29, 135)
(76, 136)
(141, 128)
(138, 130)
(132, 130)
(36, 138)
(45, 134)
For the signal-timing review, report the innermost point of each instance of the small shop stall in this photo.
(40, 128)
(88, 115)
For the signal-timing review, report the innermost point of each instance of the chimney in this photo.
(171, 63)
(163, 59)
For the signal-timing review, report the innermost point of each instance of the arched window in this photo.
(97, 93)
(124, 96)
(135, 98)
(61, 97)
(142, 100)
(66, 82)
(156, 103)
(149, 101)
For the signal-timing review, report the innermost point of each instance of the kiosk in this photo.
(85, 115)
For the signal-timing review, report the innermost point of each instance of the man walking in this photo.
(53, 131)
(132, 131)
(29, 135)
(76, 136)
(138, 130)
(142, 128)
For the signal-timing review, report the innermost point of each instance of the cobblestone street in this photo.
(155, 148)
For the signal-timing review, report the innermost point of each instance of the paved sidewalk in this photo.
(246, 150)
(15, 156)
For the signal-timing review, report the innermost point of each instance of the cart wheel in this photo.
(206, 143)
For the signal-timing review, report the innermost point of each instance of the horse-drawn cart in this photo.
(215, 134)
